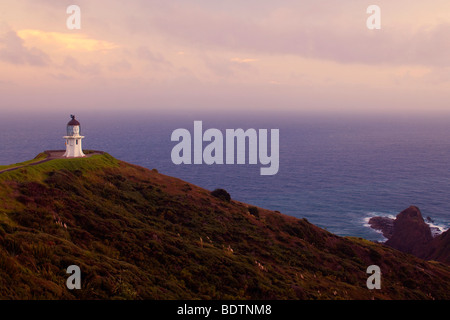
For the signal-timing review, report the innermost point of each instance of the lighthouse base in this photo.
(73, 147)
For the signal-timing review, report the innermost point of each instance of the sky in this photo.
(253, 56)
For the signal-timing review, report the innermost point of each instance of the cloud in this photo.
(73, 64)
(293, 32)
(120, 66)
(243, 60)
(438, 76)
(425, 46)
(144, 53)
(225, 68)
(12, 50)
(61, 76)
(67, 41)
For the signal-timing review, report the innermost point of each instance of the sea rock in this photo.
(410, 233)
(383, 224)
(439, 248)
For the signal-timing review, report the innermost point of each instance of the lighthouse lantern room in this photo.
(73, 140)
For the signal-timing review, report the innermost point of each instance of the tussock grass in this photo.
(138, 234)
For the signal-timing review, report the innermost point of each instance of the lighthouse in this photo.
(73, 140)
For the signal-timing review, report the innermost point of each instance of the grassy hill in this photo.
(138, 234)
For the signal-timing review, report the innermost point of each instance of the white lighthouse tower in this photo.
(73, 140)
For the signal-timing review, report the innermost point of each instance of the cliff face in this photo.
(439, 248)
(138, 234)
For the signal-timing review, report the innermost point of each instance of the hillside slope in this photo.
(138, 234)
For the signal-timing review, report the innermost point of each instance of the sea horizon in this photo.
(335, 172)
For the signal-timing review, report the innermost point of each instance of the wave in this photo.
(436, 229)
(371, 214)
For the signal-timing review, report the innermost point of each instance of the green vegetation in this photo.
(40, 171)
(39, 157)
(138, 234)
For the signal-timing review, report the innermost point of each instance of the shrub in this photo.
(8, 265)
(253, 211)
(12, 246)
(221, 194)
(78, 173)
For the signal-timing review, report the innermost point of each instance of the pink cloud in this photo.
(74, 64)
(343, 43)
(12, 50)
(145, 53)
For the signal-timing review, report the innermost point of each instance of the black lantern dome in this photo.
(73, 122)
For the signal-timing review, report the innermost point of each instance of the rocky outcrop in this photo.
(439, 248)
(384, 224)
(409, 233)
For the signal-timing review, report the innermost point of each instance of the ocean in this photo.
(336, 172)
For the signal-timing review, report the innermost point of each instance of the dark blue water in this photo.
(334, 172)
